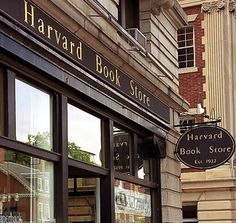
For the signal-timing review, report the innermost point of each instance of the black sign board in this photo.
(51, 32)
(205, 147)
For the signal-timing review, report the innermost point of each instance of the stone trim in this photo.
(210, 7)
(232, 7)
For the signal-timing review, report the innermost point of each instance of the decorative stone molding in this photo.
(210, 7)
(158, 4)
(232, 7)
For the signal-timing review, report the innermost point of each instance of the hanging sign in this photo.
(205, 147)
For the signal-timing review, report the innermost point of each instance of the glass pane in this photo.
(181, 37)
(182, 58)
(1, 102)
(181, 44)
(182, 65)
(189, 43)
(33, 116)
(190, 63)
(189, 29)
(182, 51)
(121, 151)
(26, 188)
(83, 200)
(189, 50)
(132, 203)
(84, 135)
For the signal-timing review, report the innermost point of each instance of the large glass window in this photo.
(1, 102)
(132, 203)
(186, 47)
(26, 188)
(33, 116)
(84, 136)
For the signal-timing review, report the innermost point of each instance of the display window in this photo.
(33, 115)
(67, 159)
(26, 188)
(132, 203)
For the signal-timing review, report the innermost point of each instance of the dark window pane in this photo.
(189, 29)
(181, 37)
(121, 150)
(190, 57)
(182, 65)
(189, 43)
(181, 44)
(190, 64)
(182, 51)
(189, 36)
(182, 58)
(190, 50)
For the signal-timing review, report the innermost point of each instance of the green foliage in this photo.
(75, 152)
(19, 158)
(40, 140)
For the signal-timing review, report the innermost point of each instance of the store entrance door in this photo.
(83, 198)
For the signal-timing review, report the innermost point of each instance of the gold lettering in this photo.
(98, 64)
(132, 87)
(79, 51)
(148, 100)
(105, 71)
(41, 26)
(112, 76)
(72, 47)
(29, 13)
(50, 28)
(138, 94)
(58, 36)
(117, 78)
(65, 43)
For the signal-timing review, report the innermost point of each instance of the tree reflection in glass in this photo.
(84, 136)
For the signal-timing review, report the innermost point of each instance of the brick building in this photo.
(207, 76)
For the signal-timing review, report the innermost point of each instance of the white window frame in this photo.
(186, 47)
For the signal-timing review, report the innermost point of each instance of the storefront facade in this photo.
(87, 112)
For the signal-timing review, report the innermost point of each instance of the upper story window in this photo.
(186, 47)
(129, 13)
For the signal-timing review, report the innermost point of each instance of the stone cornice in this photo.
(173, 8)
(213, 6)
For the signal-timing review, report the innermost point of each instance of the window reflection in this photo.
(132, 203)
(1, 102)
(84, 135)
(121, 150)
(26, 188)
(33, 116)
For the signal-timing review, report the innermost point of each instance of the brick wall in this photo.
(191, 83)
